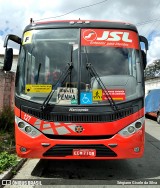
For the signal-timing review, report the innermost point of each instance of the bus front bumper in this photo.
(117, 147)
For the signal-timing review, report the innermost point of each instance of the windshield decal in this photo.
(27, 38)
(109, 38)
(116, 94)
(38, 88)
(97, 94)
(67, 95)
(86, 98)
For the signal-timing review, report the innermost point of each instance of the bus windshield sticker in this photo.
(74, 101)
(27, 38)
(38, 88)
(109, 38)
(86, 98)
(116, 94)
(67, 95)
(97, 94)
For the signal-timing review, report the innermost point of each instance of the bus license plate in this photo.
(84, 152)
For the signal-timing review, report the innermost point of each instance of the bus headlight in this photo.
(21, 125)
(27, 128)
(132, 128)
(138, 124)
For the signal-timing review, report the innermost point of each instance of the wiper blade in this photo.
(93, 72)
(67, 71)
(39, 68)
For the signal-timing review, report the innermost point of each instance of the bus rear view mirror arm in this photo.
(13, 38)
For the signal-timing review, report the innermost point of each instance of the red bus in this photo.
(79, 90)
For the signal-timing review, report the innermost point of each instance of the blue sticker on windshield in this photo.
(86, 98)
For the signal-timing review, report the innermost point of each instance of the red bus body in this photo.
(123, 148)
(91, 131)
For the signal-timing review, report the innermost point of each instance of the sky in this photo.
(145, 14)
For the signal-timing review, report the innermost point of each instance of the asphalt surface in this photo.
(106, 173)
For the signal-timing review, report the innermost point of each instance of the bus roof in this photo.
(80, 24)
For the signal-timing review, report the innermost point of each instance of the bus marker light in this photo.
(113, 145)
(125, 133)
(23, 149)
(45, 144)
(33, 133)
(71, 22)
(137, 149)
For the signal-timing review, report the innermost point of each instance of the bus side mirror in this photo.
(144, 55)
(8, 59)
(144, 59)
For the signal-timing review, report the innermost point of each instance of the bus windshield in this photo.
(45, 54)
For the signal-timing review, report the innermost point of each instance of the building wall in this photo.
(7, 83)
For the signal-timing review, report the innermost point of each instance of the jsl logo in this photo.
(91, 35)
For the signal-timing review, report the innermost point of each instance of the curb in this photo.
(9, 174)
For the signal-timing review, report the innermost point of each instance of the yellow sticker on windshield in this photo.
(97, 94)
(27, 38)
(33, 88)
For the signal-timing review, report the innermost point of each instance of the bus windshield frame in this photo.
(114, 53)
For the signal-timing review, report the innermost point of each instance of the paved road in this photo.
(100, 173)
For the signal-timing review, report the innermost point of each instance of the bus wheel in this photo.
(158, 118)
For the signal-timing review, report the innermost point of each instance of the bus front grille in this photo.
(66, 150)
(83, 117)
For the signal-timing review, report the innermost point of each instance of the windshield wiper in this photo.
(67, 71)
(39, 68)
(93, 73)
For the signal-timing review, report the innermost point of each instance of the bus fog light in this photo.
(131, 129)
(21, 125)
(23, 149)
(138, 125)
(137, 149)
(28, 129)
